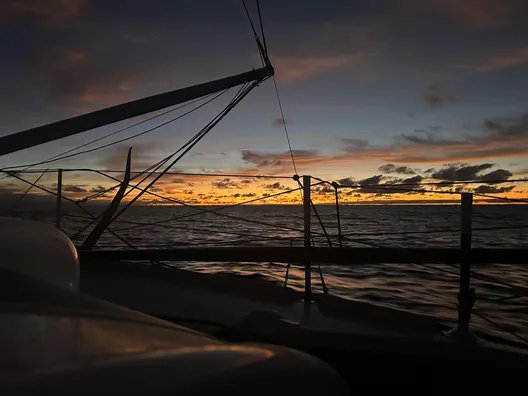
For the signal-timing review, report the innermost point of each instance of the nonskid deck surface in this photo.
(227, 300)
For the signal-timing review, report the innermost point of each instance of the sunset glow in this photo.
(405, 93)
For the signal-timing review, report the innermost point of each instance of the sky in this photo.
(373, 92)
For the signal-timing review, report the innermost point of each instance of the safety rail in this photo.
(338, 250)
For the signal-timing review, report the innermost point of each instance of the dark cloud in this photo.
(460, 171)
(74, 189)
(464, 172)
(279, 122)
(248, 180)
(276, 186)
(347, 181)
(403, 170)
(380, 184)
(249, 195)
(486, 189)
(262, 160)
(98, 189)
(325, 189)
(412, 180)
(437, 95)
(226, 183)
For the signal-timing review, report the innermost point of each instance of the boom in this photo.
(72, 126)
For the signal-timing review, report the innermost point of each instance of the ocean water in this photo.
(427, 289)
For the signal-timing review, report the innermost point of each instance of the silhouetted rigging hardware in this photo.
(64, 155)
(71, 126)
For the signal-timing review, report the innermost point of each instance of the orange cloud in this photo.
(513, 57)
(298, 68)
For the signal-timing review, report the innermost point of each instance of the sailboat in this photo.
(76, 319)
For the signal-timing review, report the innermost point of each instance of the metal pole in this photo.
(59, 200)
(334, 184)
(307, 181)
(465, 296)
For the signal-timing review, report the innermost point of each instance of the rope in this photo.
(284, 124)
(26, 192)
(321, 223)
(502, 198)
(60, 156)
(262, 51)
(205, 130)
(203, 211)
(338, 215)
(72, 201)
(514, 334)
(104, 171)
(262, 28)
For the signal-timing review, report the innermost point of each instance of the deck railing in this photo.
(337, 250)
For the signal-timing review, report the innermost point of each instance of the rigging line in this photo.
(502, 198)
(53, 158)
(72, 201)
(226, 215)
(139, 174)
(262, 52)
(441, 230)
(284, 123)
(158, 164)
(436, 183)
(133, 136)
(26, 192)
(262, 29)
(390, 188)
(214, 211)
(198, 231)
(164, 161)
(213, 123)
(512, 333)
(475, 275)
(104, 171)
(204, 211)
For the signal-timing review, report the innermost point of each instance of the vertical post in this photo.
(465, 293)
(59, 200)
(307, 181)
(335, 185)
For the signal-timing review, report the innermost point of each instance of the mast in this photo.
(72, 126)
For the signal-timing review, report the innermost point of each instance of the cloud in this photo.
(51, 11)
(503, 59)
(461, 172)
(436, 95)
(380, 185)
(486, 189)
(262, 160)
(279, 122)
(74, 189)
(290, 69)
(98, 189)
(226, 183)
(276, 186)
(403, 170)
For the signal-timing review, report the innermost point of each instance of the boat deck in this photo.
(227, 300)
